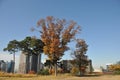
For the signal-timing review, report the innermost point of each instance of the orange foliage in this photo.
(114, 67)
(55, 33)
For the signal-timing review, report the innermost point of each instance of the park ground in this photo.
(64, 77)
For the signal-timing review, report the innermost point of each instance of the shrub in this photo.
(43, 72)
(117, 72)
(60, 70)
(31, 72)
(74, 71)
(115, 68)
(51, 71)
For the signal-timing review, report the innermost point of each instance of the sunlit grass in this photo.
(10, 76)
(3, 74)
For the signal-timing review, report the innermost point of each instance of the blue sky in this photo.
(99, 19)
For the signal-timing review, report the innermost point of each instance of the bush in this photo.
(117, 72)
(60, 70)
(31, 72)
(74, 71)
(115, 68)
(43, 72)
(51, 71)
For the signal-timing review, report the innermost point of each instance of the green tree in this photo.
(48, 63)
(29, 45)
(32, 46)
(56, 33)
(12, 47)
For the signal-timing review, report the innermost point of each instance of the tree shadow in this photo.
(89, 75)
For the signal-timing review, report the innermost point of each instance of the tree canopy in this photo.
(56, 33)
(80, 57)
(12, 47)
(29, 45)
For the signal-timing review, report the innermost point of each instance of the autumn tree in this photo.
(56, 33)
(80, 57)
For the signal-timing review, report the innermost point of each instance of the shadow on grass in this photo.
(89, 75)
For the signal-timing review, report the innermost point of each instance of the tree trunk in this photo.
(39, 62)
(31, 56)
(27, 64)
(13, 63)
(80, 70)
(55, 65)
